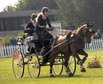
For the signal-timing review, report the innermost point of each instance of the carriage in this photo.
(74, 41)
(34, 62)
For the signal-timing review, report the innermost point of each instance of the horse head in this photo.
(86, 32)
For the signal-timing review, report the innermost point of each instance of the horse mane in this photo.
(79, 29)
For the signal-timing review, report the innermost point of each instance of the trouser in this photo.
(46, 54)
(45, 51)
(37, 47)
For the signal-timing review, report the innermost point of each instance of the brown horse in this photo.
(73, 44)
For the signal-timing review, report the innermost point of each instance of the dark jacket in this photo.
(29, 28)
(41, 32)
(43, 21)
(30, 25)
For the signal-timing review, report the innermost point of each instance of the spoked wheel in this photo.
(33, 66)
(58, 65)
(72, 64)
(18, 64)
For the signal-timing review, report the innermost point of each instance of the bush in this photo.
(7, 38)
(21, 34)
(95, 63)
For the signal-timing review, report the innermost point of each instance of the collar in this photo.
(34, 24)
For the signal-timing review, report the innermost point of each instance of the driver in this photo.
(43, 19)
(32, 27)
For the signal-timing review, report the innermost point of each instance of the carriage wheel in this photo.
(58, 66)
(33, 66)
(72, 64)
(18, 64)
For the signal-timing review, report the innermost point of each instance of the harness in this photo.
(74, 38)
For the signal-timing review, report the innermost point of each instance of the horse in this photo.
(73, 44)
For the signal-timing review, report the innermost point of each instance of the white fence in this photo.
(7, 51)
(95, 45)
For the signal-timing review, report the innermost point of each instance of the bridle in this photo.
(84, 35)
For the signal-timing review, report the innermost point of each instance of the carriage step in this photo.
(59, 57)
(48, 64)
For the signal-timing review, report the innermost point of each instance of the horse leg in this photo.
(82, 52)
(51, 66)
(68, 71)
(79, 61)
(75, 54)
(82, 67)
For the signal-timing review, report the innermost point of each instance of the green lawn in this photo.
(92, 76)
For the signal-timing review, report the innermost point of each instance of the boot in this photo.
(47, 56)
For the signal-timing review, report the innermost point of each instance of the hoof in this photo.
(83, 70)
(70, 74)
(52, 75)
(79, 62)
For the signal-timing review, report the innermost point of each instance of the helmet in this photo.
(45, 9)
(33, 16)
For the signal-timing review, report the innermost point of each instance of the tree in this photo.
(9, 8)
(71, 10)
(31, 5)
(21, 5)
(79, 11)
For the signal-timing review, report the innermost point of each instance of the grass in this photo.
(92, 76)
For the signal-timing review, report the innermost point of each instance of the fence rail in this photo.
(7, 51)
(95, 45)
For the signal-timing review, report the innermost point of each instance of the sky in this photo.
(4, 3)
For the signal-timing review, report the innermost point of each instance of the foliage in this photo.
(79, 11)
(21, 34)
(31, 5)
(6, 39)
(9, 8)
